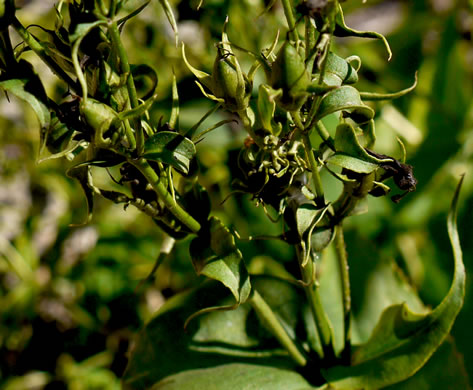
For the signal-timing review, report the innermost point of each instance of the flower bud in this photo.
(228, 81)
(289, 74)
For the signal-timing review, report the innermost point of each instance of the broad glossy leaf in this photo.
(403, 341)
(163, 348)
(345, 98)
(215, 255)
(350, 154)
(20, 88)
(338, 71)
(170, 148)
(352, 163)
(235, 376)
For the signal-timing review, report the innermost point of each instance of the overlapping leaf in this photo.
(403, 341)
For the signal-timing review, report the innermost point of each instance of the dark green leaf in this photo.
(221, 337)
(83, 175)
(216, 256)
(104, 158)
(170, 148)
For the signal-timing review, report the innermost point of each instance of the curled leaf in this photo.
(32, 93)
(388, 96)
(342, 30)
(403, 341)
(345, 98)
(83, 175)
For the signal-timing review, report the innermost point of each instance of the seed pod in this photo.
(228, 82)
(99, 116)
(289, 74)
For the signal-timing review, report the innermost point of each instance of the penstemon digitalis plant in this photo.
(268, 331)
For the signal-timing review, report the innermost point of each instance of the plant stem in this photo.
(291, 22)
(42, 52)
(319, 191)
(321, 321)
(130, 83)
(270, 320)
(340, 248)
(182, 215)
(324, 134)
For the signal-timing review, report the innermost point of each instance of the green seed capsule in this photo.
(228, 81)
(289, 74)
(99, 117)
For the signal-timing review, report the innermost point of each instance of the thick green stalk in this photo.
(321, 321)
(346, 296)
(41, 51)
(291, 22)
(270, 320)
(319, 191)
(130, 83)
(182, 215)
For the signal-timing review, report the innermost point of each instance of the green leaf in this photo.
(104, 158)
(350, 154)
(172, 20)
(215, 255)
(235, 376)
(338, 71)
(163, 348)
(20, 88)
(203, 77)
(132, 14)
(348, 99)
(170, 148)
(83, 29)
(57, 137)
(444, 370)
(83, 175)
(403, 341)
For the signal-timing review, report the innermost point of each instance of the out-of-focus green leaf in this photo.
(235, 376)
(212, 339)
(444, 370)
(403, 341)
(19, 88)
(170, 148)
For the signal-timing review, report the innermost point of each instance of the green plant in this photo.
(275, 329)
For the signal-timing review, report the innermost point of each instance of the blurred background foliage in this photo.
(69, 302)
